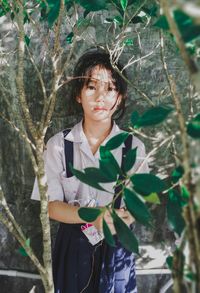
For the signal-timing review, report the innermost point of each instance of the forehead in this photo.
(101, 74)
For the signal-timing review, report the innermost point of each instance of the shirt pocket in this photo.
(70, 186)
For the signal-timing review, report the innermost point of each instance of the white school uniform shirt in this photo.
(71, 189)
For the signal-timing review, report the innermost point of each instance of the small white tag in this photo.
(93, 235)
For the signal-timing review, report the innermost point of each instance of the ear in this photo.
(119, 99)
(78, 99)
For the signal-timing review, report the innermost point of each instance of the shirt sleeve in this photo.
(53, 168)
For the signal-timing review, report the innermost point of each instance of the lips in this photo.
(100, 109)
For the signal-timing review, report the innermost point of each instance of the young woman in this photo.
(79, 264)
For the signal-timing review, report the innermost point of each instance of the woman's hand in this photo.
(123, 214)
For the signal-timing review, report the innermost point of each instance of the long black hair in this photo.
(83, 70)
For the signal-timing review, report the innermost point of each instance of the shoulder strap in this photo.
(69, 153)
(128, 145)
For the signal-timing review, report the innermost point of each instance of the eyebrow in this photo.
(92, 79)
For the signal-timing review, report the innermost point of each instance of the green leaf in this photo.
(118, 20)
(137, 19)
(169, 261)
(125, 235)
(185, 193)
(188, 28)
(151, 11)
(193, 128)
(21, 250)
(108, 164)
(130, 159)
(152, 198)
(191, 276)
(134, 118)
(97, 175)
(4, 8)
(116, 141)
(177, 174)
(69, 38)
(68, 4)
(86, 179)
(92, 5)
(108, 235)
(124, 4)
(136, 207)
(162, 23)
(153, 116)
(27, 40)
(174, 212)
(89, 214)
(54, 8)
(145, 184)
(128, 42)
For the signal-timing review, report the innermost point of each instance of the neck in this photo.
(96, 132)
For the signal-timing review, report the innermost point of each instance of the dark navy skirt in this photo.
(79, 267)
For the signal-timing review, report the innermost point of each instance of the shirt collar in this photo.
(77, 134)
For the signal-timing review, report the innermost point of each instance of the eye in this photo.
(111, 89)
(91, 86)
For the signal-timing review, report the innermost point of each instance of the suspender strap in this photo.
(128, 145)
(69, 153)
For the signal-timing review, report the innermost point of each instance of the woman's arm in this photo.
(66, 213)
(63, 212)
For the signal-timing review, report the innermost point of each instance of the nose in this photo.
(101, 93)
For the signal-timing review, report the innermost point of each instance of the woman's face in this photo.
(99, 97)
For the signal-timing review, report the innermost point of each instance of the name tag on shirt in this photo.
(92, 234)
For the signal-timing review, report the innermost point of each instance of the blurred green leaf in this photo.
(4, 7)
(125, 235)
(191, 276)
(152, 198)
(108, 235)
(68, 4)
(124, 4)
(177, 174)
(185, 193)
(134, 118)
(189, 30)
(89, 214)
(193, 128)
(145, 184)
(69, 38)
(92, 5)
(137, 207)
(54, 8)
(162, 23)
(27, 40)
(137, 19)
(150, 11)
(174, 212)
(169, 261)
(152, 116)
(118, 20)
(21, 250)
(86, 179)
(128, 42)
(116, 141)
(130, 159)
